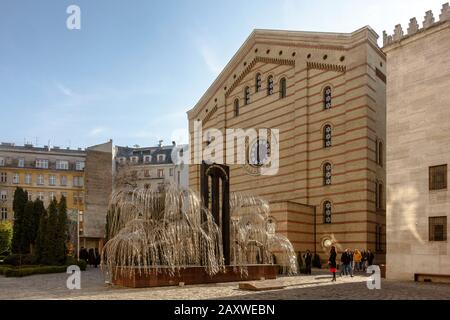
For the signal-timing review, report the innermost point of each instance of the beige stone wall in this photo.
(98, 189)
(309, 62)
(418, 125)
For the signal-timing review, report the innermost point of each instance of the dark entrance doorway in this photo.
(215, 191)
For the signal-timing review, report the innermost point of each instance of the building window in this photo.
(63, 180)
(41, 196)
(62, 165)
(270, 85)
(327, 174)
(327, 98)
(283, 89)
(438, 177)
(327, 212)
(147, 173)
(52, 196)
(3, 195)
(438, 228)
(40, 180)
(2, 161)
(79, 166)
(4, 214)
(78, 198)
(134, 159)
(21, 163)
(380, 153)
(236, 107)
(52, 181)
(122, 160)
(178, 177)
(28, 179)
(258, 82)
(161, 158)
(160, 173)
(30, 195)
(171, 172)
(379, 238)
(3, 177)
(147, 159)
(247, 95)
(327, 136)
(16, 178)
(42, 164)
(78, 181)
(380, 196)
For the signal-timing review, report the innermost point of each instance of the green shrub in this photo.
(71, 261)
(31, 270)
(20, 259)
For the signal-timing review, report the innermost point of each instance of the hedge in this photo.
(12, 271)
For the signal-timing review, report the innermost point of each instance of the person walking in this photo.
(97, 257)
(363, 260)
(357, 260)
(332, 262)
(345, 262)
(308, 261)
(370, 258)
(91, 257)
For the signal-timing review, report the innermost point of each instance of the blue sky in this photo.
(136, 67)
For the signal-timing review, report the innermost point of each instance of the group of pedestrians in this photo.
(350, 261)
(91, 256)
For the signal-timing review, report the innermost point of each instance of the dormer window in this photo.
(42, 164)
(161, 157)
(122, 160)
(134, 159)
(147, 159)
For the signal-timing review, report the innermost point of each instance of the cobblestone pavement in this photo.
(316, 286)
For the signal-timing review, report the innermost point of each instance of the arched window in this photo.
(283, 88)
(379, 196)
(327, 136)
(327, 174)
(270, 85)
(327, 212)
(247, 95)
(236, 107)
(258, 82)
(327, 98)
(380, 153)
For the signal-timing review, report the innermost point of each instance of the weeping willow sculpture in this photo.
(169, 229)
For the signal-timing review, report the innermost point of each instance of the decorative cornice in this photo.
(325, 66)
(250, 66)
(210, 114)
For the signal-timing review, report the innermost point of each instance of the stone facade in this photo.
(418, 122)
(99, 172)
(353, 67)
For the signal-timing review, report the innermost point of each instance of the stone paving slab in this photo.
(316, 286)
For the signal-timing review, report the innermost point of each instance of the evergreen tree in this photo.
(38, 215)
(18, 244)
(42, 236)
(27, 237)
(49, 252)
(62, 231)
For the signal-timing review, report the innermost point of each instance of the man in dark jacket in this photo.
(370, 258)
(346, 263)
(308, 261)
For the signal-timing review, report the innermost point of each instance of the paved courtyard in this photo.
(316, 286)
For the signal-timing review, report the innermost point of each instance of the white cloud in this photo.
(97, 131)
(64, 90)
(210, 57)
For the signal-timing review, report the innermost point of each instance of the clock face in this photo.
(259, 153)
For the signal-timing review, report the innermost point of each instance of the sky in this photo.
(135, 67)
